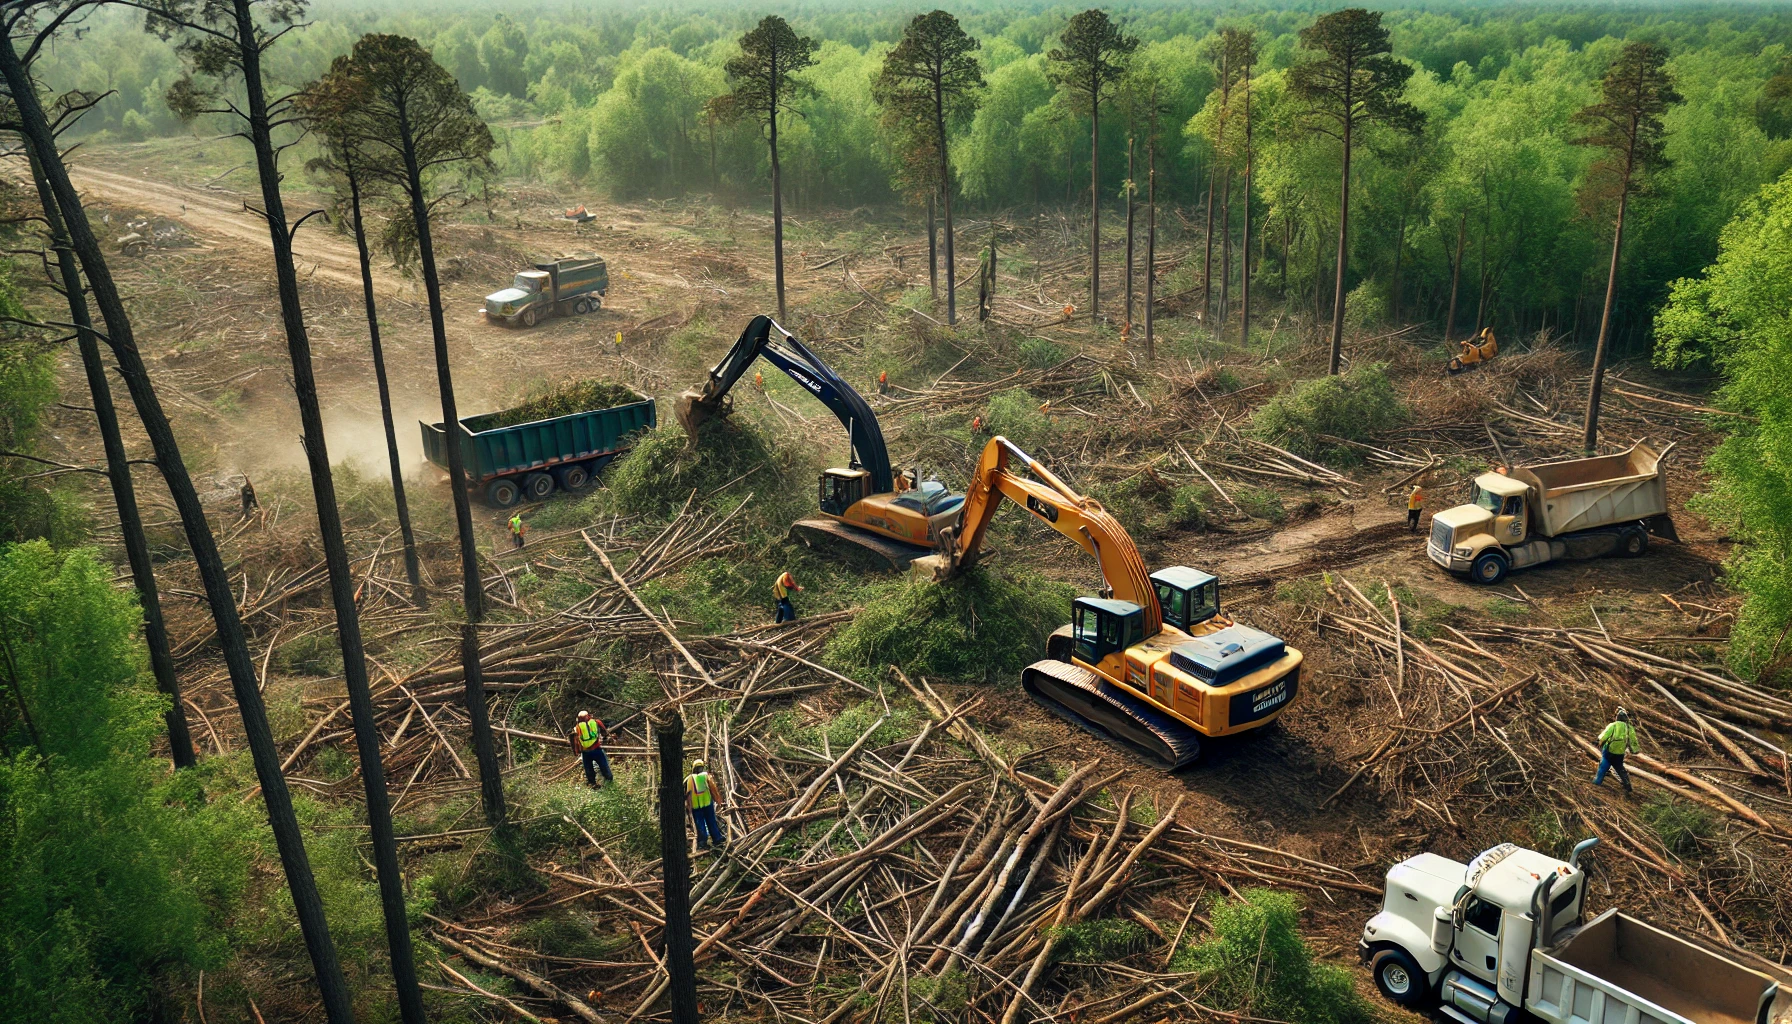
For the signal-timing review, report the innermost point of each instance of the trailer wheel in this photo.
(503, 492)
(537, 486)
(581, 307)
(529, 317)
(1633, 542)
(1398, 978)
(1490, 568)
(573, 478)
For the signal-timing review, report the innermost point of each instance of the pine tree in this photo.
(1091, 56)
(765, 82)
(1352, 82)
(1626, 123)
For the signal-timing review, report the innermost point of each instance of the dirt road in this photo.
(221, 218)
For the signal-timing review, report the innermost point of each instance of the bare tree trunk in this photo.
(368, 738)
(1151, 255)
(412, 569)
(1225, 253)
(1590, 439)
(939, 116)
(777, 204)
(1129, 233)
(1207, 258)
(1455, 276)
(491, 780)
(675, 867)
(1244, 281)
(1337, 360)
(1095, 201)
(933, 259)
(1399, 244)
(118, 473)
(308, 907)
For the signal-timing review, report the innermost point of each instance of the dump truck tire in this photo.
(1490, 568)
(528, 317)
(575, 477)
(1632, 543)
(503, 492)
(537, 486)
(1398, 978)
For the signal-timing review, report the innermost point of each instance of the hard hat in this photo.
(584, 715)
(698, 765)
(1623, 715)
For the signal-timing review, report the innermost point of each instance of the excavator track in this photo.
(1081, 697)
(827, 534)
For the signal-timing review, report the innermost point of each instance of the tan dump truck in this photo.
(1580, 508)
(1506, 938)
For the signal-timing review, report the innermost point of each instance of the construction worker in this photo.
(1069, 310)
(517, 529)
(883, 382)
(758, 380)
(977, 424)
(619, 346)
(250, 503)
(781, 590)
(700, 800)
(588, 738)
(1415, 504)
(1618, 739)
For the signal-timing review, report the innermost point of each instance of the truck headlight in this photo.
(1462, 552)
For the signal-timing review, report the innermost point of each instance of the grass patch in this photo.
(1352, 406)
(1015, 415)
(1151, 505)
(1041, 353)
(1505, 608)
(1262, 503)
(1258, 963)
(1679, 825)
(1101, 941)
(979, 627)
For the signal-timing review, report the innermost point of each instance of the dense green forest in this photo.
(614, 101)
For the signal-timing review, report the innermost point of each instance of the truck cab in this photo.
(1463, 933)
(1478, 538)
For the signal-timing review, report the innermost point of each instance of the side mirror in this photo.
(1442, 930)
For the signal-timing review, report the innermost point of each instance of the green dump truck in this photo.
(507, 464)
(568, 286)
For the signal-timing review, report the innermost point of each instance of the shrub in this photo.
(1015, 414)
(1145, 503)
(1258, 964)
(1351, 406)
(1262, 503)
(116, 874)
(1100, 941)
(1041, 353)
(977, 627)
(1365, 306)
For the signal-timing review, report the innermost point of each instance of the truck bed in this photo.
(1585, 494)
(1617, 962)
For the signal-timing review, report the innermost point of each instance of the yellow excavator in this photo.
(1151, 663)
(1473, 352)
(867, 505)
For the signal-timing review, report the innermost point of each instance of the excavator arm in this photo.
(766, 337)
(1059, 506)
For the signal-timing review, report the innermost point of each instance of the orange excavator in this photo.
(1151, 663)
(1473, 352)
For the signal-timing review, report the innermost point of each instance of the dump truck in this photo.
(1521, 517)
(508, 464)
(1506, 934)
(567, 286)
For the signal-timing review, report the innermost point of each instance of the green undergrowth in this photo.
(983, 626)
(1680, 825)
(1147, 504)
(1257, 963)
(1101, 941)
(663, 469)
(1351, 406)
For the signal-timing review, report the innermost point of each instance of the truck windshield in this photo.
(526, 283)
(1487, 500)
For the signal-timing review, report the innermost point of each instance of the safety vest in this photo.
(516, 524)
(1415, 500)
(697, 786)
(1618, 738)
(590, 734)
(781, 589)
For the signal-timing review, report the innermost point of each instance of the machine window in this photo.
(1487, 500)
(1514, 506)
(1204, 602)
(1110, 631)
(1562, 901)
(1174, 602)
(1484, 916)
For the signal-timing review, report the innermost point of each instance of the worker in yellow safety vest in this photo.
(1415, 504)
(700, 800)
(517, 529)
(1618, 739)
(588, 737)
(781, 590)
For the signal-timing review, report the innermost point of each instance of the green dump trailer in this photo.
(533, 460)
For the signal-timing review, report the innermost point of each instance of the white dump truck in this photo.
(1580, 508)
(1505, 935)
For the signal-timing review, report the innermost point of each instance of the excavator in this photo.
(1474, 352)
(1152, 663)
(867, 505)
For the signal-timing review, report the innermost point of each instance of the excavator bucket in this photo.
(693, 411)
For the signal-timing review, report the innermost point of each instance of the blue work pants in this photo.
(596, 756)
(786, 610)
(708, 828)
(1609, 761)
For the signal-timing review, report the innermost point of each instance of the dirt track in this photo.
(223, 218)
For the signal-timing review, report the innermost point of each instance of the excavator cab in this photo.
(1101, 626)
(1188, 597)
(841, 489)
